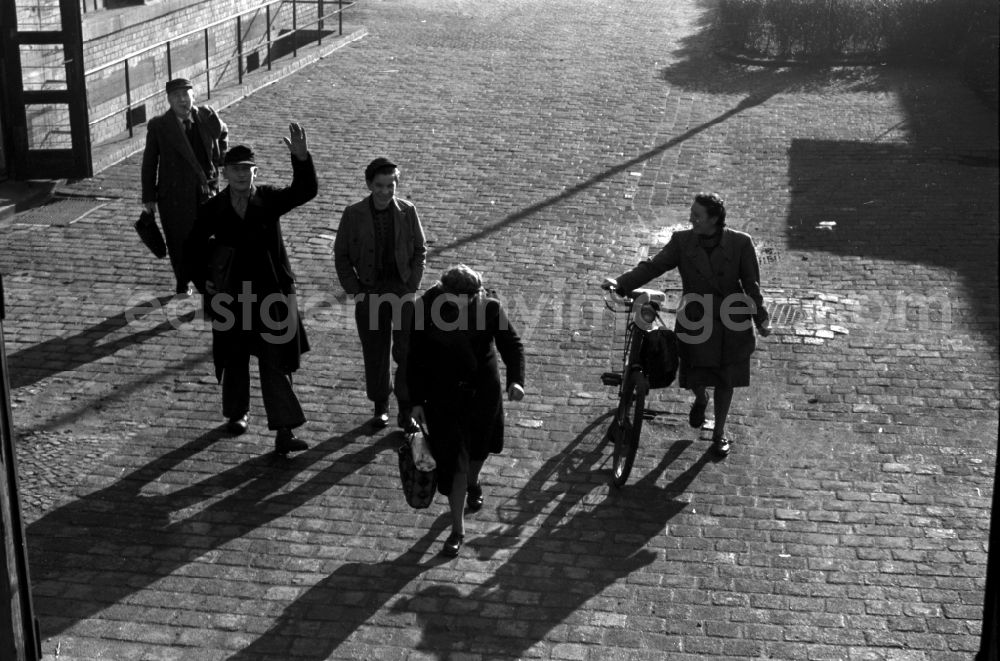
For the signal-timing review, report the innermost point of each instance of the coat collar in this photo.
(181, 144)
(707, 265)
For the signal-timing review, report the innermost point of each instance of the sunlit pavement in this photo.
(547, 144)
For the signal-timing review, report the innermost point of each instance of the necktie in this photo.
(187, 126)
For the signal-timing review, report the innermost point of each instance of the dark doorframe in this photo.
(46, 102)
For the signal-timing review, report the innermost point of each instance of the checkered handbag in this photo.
(419, 485)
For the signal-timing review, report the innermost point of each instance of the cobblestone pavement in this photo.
(549, 144)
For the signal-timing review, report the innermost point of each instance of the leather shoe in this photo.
(406, 422)
(381, 417)
(452, 545)
(285, 441)
(237, 426)
(474, 498)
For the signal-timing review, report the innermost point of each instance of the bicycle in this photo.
(639, 364)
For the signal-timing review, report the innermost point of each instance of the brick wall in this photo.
(108, 36)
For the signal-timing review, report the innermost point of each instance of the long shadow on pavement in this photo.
(322, 619)
(576, 554)
(565, 563)
(96, 551)
(925, 195)
(755, 98)
(62, 354)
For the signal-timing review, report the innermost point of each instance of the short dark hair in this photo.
(380, 165)
(714, 205)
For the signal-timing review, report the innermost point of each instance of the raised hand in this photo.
(296, 141)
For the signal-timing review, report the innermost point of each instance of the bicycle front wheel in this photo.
(625, 430)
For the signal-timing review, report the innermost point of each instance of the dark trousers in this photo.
(280, 403)
(383, 326)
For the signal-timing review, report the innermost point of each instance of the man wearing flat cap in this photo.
(379, 255)
(242, 268)
(180, 169)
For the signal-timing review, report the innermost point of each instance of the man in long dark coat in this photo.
(180, 169)
(244, 272)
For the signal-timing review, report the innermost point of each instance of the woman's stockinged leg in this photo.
(696, 418)
(475, 467)
(456, 499)
(723, 399)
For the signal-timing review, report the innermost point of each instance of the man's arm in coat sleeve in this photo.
(646, 270)
(150, 163)
(346, 274)
(419, 258)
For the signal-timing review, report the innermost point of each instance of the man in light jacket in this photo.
(379, 255)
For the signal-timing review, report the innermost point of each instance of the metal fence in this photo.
(221, 53)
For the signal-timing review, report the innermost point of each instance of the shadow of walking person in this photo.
(61, 354)
(578, 552)
(98, 550)
(322, 619)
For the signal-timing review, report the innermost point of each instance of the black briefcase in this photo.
(149, 232)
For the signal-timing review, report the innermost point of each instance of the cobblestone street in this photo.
(548, 144)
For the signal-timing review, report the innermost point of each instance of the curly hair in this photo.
(714, 205)
(461, 280)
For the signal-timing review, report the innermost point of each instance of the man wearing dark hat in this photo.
(379, 255)
(242, 267)
(180, 169)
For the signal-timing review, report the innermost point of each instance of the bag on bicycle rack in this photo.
(659, 357)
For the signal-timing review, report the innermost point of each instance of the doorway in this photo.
(46, 134)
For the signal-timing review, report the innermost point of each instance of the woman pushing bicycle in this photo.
(720, 305)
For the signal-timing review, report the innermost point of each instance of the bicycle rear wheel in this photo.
(626, 429)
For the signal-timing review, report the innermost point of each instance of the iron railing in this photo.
(208, 68)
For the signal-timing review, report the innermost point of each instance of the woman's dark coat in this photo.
(730, 274)
(231, 251)
(453, 373)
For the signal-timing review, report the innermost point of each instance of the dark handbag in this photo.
(418, 486)
(150, 235)
(660, 357)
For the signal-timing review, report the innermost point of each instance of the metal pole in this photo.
(267, 21)
(19, 637)
(170, 67)
(989, 644)
(128, 102)
(340, 17)
(319, 26)
(295, 29)
(239, 49)
(208, 70)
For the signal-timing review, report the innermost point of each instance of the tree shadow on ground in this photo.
(893, 204)
(96, 551)
(922, 191)
(62, 354)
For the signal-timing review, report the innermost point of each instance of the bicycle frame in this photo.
(644, 307)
